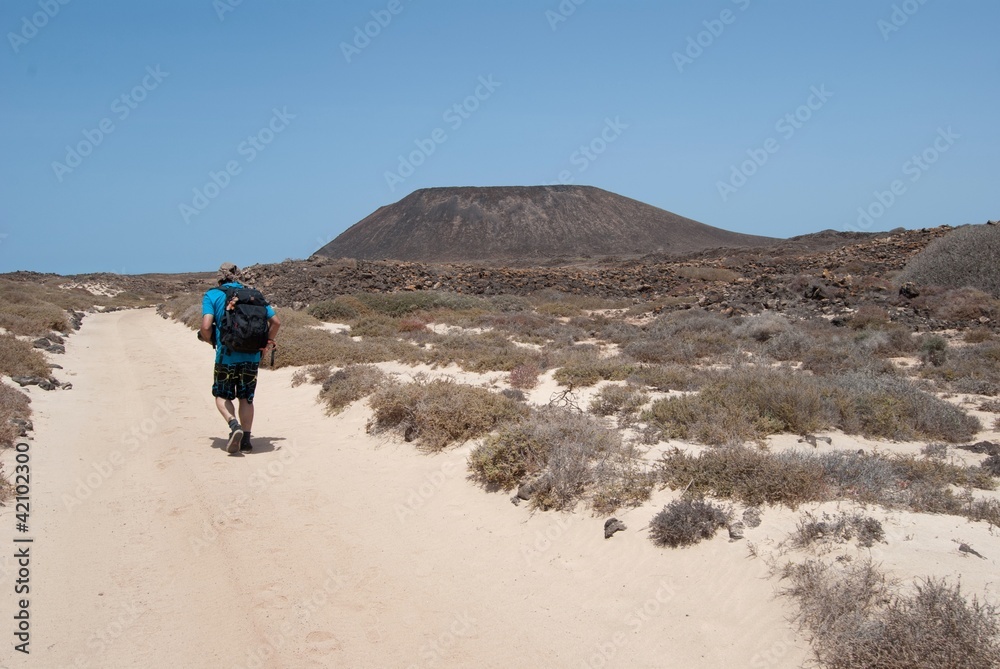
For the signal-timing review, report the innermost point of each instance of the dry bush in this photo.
(350, 384)
(311, 374)
(977, 335)
(684, 337)
(565, 453)
(750, 476)
(487, 352)
(869, 316)
(523, 377)
(20, 358)
(374, 325)
(971, 369)
(857, 353)
(858, 619)
(763, 327)
(894, 408)
(744, 404)
(961, 304)
(667, 377)
(618, 400)
(992, 465)
(707, 274)
(438, 413)
(340, 309)
(14, 405)
(307, 346)
(184, 308)
(685, 522)
(838, 528)
(964, 257)
(582, 365)
(400, 304)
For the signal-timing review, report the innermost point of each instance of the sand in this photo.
(327, 547)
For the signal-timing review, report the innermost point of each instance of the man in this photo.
(235, 375)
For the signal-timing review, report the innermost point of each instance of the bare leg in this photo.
(226, 408)
(246, 415)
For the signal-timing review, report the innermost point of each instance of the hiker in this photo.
(238, 350)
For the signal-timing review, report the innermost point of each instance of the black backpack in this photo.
(244, 325)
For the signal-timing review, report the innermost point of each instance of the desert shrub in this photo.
(300, 346)
(515, 394)
(350, 384)
(763, 327)
(340, 309)
(184, 308)
(400, 304)
(744, 404)
(619, 332)
(968, 369)
(311, 374)
(858, 619)
(374, 325)
(750, 476)
(843, 354)
(487, 352)
(894, 408)
(685, 522)
(869, 316)
(20, 358)
(565, 452)
(964, 257)
(438, 413)
(788, 345)
(582, 365)
(707, 274)
(667, 377)
(14, 405)
(977, 335)
(523, 377)
(992, 465)
(614, 400)
(838, 528)
(933, 350)
(937, 451)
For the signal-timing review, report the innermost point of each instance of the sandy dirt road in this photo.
(327, 547)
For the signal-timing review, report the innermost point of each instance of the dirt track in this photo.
(327, 547)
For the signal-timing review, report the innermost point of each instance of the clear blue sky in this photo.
(162, 94)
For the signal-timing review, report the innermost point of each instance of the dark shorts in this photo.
(236, 380)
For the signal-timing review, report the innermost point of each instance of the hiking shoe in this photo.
(235, 437)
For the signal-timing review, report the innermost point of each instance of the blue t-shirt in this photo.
(214, 304)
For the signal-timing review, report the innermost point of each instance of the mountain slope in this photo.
(517, 222)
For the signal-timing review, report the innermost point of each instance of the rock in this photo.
(24, 426)
(67, 386)
(752, 516)
(612, 525)
(27, 380)
(966, 548)
(909, 290)
(736, 530)
(41, 343)
(55, 338)
(56, 348)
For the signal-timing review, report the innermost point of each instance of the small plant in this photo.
(685, 522)
(523, 377)
(859, 619)
(350, 385)
(438, 413)
(933, 350)
(618, 400)
(838, 529)
(936, 451)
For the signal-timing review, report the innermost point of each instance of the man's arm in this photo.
(273, 325)
(207, 328)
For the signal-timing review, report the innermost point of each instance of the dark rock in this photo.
(909, 290)
(752, 516)
(736, 530)
(56, 348)
(612, 525)
(41, 343)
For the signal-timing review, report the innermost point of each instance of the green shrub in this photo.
(438, 413)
